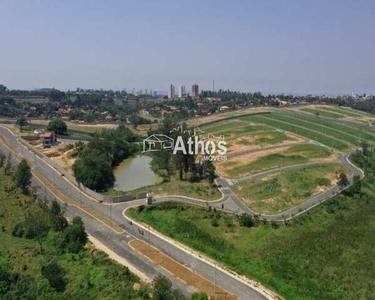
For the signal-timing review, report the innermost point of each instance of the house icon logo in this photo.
(157, 142)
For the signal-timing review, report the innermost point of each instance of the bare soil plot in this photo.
(180, 271)
(262, 140)
(59, 155)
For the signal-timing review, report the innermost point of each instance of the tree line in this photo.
(186, 166)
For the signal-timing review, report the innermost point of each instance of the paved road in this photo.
(118, 242)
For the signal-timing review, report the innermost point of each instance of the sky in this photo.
(320, 47)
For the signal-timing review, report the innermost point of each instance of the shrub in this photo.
(75, 236)
(214, 222)
(323, 182)
(246, 220)
(18, 230)
(55, 275)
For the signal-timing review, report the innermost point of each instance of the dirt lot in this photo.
(247, 158)
(180, 271)
(59, 155)
(250, 143)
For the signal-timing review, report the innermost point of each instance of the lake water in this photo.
(134, 173)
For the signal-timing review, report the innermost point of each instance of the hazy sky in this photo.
(297, 46)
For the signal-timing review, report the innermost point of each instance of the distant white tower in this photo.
(181, 91)
(171, 91)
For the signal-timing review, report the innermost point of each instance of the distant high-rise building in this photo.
(171, 91)
(195, 90)
(181, 91)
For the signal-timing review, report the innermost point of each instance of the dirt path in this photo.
(180, 271)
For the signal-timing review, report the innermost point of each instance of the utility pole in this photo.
(110, 212)
(215, 282)
(149, 239)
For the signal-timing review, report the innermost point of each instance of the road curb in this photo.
(269, 294)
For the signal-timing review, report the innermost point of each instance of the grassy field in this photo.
(356, 111)
(218, 116)
(89, 274)
(317, 127)
(360, 131)
(232, 129)
(223, 126)
(242, 166)
(302, 132)
(276, 193)
(327, 253)
(323, 113)
(261, 139)
(346, 112)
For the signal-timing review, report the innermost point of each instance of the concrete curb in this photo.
(248, 282)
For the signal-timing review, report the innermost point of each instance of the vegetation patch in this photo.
(303, 132)
(320, 112)
(319, 128)
(326, 253)
(279, 192)
(42, 257)
(361, 132)
(261, 140)
(253, 163)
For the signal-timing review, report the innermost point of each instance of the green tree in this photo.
(22, 176)
(356, 186)
(199, 296)
(22, 121)
(209, 171)
(58, 126)
(55, 275)
(162, 290)
(246, 220)
(58, 221)
(343, 180)
(3, 88)
(75, 236)
(94, 170)
(365, 147)
(37, 226)
(8, 166)
(2, 159)
(56, 95)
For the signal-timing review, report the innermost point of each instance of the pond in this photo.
(134, 173)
